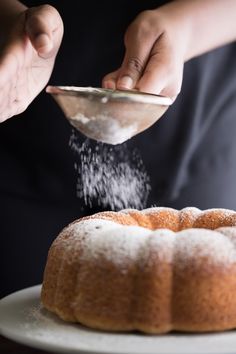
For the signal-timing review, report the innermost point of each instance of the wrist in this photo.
(204, 24)
(177, 28)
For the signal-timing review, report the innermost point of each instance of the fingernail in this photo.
(125, 82)
(109, 85)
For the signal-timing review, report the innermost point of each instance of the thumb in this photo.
(45, 29)
(136, 56)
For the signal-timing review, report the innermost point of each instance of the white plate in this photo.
(24, 320)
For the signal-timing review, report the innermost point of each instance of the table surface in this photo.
(9, 347)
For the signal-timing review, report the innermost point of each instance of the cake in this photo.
(154, 271)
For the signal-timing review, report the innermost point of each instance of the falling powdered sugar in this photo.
(110, 176)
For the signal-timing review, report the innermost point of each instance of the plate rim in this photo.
(33, 292)
(133, 96)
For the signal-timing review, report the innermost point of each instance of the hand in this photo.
(154, 58)
(27, 58)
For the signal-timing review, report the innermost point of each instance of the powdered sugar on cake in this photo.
(121, 244)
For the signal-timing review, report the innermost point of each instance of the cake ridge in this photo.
(149, 271)
(114, 239)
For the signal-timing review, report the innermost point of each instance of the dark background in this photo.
(190, 154)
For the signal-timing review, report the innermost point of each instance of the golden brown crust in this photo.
(120, 218)
(152, 294)
(213, 219)
(171, 219)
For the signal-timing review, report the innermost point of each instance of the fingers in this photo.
(23, 73)
(139, 40)
(44, 27)
(153, 61)
(163, 72)
(131, 70)
(109, 81)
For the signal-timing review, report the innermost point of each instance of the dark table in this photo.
(9, 347)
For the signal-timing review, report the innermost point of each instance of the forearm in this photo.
(206, 24)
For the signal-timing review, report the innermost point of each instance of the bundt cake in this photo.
(154, 271)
